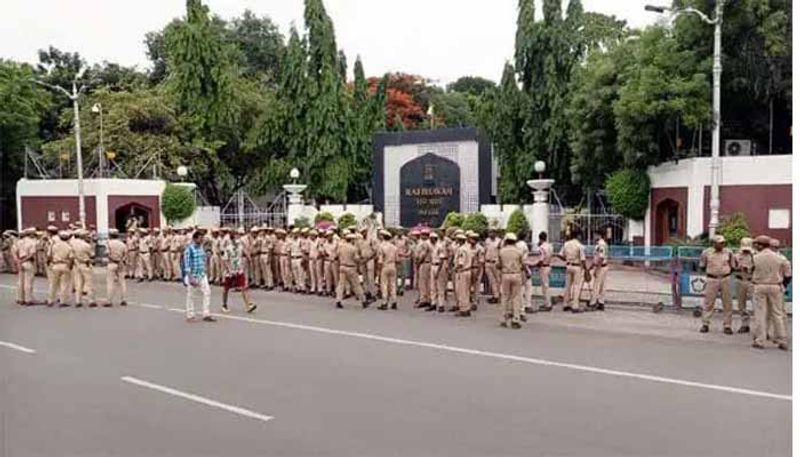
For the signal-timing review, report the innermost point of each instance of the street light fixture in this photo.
(716, 167)
(74, 96)
(97, 108)
(294, 174)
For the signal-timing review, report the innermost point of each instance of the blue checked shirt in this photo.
(194, 261)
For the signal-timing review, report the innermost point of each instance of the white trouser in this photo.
(202, 284)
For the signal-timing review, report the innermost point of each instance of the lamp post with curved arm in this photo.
(716, 167)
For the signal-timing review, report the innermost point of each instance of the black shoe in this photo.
(63, 305)
(567, 309)
(209, 319)
(464, 314)
(365, 304)
(545, 308)
(474, 307)
(383, 307)
(421, 305)
(79, 305)
(504, 324)
(727, 331)
(577, 311)
(339, 305)
(704, 329)
(441, 309)
(50, 305)
(529, 310)
(453, 309)
(430, 308)
(743, 329)
(516, 325)
(92, 305)
(107, 305)
(123, 303)
(394, 306)
(252, 308)
(601, 306)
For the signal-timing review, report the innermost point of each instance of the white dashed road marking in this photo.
(198, 399)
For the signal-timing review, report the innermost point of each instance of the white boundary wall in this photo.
(694, 174)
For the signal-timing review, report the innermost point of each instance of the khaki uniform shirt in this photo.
(573, 251)
(743, 261)
(387, 254)
(330, 250)
(511, 260)
(600, 253)
(132, 243)
(717, 263)
(365, 249)
(348, 255)
(61, 252)
(116, 251)
(440, 253)
(492, 247)
(314, 249)
(82, 251)
(26, 247)
(545, 253)
(424, 252)
(145, 244)
(464, 258)
(767, 268)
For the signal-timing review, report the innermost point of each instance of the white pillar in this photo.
(540, 210)
(296, 207)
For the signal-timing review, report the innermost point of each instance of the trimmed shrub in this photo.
(177, 203)
(302, 222)
(518, 223)
(476, 222)
(346, 220)
(323, 216)
(734, 228)
(629, 192)
(453, 219)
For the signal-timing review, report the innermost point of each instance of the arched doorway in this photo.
(669, 221)
(142, 214)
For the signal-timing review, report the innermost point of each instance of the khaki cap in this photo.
(763, 240)
(254, 229)
(774, 243)
(718, 239)
(746, 244)
(510, 236)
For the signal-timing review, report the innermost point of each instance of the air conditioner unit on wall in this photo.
(735, 148)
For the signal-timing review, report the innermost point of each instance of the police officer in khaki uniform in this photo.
(387, 261)
(600, 267)
(349, 259)
(165, 255)
(296, 256)
(423, 257)
(511, 263)
(284, 264)
(50, 238)
(176, 251)
(768, 283)
(478, 267)
(366, 249)
(329, 262)
(786, 272)
(545, 258)
(743, 266)
(440, 268)
(265, 257)
(718, 263)
(83, 271)
(25, 252)
(145, 263)
(314, 263)
(132, 244)
(463, 274)
(573, 253)
(60, 258)
(117, 256)
(492, 250)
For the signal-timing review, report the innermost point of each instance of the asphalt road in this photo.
(300, 378)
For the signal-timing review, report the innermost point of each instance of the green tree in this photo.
(629, 192)
(472, 85)
(21, 106)
(453, 109)
(177, 203)
(260, 44)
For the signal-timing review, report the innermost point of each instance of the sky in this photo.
(439, 39)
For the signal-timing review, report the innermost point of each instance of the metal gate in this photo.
(242, 211)
(612, 225)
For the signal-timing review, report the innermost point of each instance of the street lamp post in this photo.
(97, 108)
(74, 96)
(716, 165)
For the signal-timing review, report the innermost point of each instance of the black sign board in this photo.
(429, 189)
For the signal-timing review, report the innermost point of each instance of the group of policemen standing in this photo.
(761, 277)
(371, 264)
